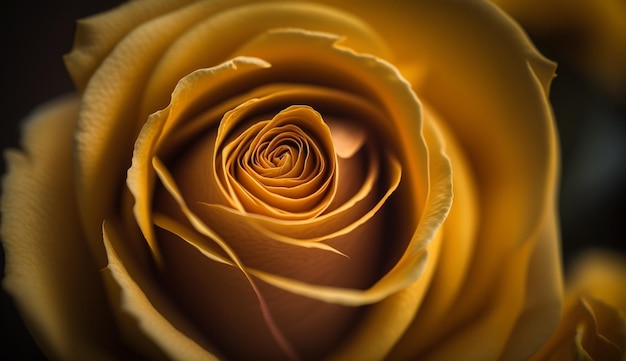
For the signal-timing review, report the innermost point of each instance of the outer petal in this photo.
(97, 35)
(49, 270)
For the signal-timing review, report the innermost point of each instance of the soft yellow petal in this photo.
(522, 307)
(49, 270)
(469, 343)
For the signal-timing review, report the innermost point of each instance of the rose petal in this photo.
(97, 35)
(406, 271)
(347, 137)
(200, 188)
(49, 270)
(206, 231)
(328, 226)
(598, 274)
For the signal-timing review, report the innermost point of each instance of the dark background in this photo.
(592, 126)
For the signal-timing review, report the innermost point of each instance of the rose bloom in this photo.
(296, 181)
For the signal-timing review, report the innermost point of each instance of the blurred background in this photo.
(590, 111)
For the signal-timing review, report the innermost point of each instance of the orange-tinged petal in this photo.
(49, 270)
(302, 197)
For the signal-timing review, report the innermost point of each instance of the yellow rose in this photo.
(274, 180)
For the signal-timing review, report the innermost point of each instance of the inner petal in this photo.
(282, 167)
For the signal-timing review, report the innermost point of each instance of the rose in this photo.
(408, 121)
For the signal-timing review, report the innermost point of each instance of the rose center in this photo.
(283, 167)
